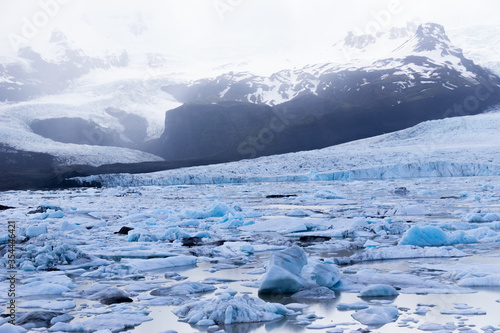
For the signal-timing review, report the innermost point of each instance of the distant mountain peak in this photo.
(361, 41)
(430, 40)
(431, 36)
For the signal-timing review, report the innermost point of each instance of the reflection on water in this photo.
(485, 298)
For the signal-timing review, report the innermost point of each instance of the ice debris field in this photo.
(401, 255)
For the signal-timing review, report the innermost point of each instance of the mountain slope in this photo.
(31, 75)
(425, 78)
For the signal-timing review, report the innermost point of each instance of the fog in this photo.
(210, 33)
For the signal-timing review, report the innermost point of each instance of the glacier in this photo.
(417, 152)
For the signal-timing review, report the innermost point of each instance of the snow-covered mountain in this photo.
(424, 78)
(399, 58)
(32, 74)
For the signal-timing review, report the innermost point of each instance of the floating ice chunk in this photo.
(378, 290)
(111, 295)
(115, 322)
(9, 328)
(164, 301)
(424, 236)
(411, 210)
(296, 228)
(216, 209)
(31, 304)
(328, 194)
(283, 272)
(326, 275)
(297, 213)
(401, 252)
(231, 310)
(492, 280)
(247, 248)
(174, 234)
(320, 326)
(205, 322)
(421, 310)
(56, 215)
(53, 253)
(61, 305)
(472, 217)
(431, 327)
(184, 288)
(66, 317)
(4, 237)
(477, 235)
(68, 226)
(219, 209)
(216, 280)
(68, 327)
(139, 286)
(464, 312)
(159, 263)
(479, 216)
(141, 235)
(353, 306)
(35, 230)
(376, 315)
(434, 236)
(36, 319)
(371, 244)
(188, 223)
(203, 234)
(318, 293)
(41, 288)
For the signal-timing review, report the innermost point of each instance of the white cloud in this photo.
(229, 30)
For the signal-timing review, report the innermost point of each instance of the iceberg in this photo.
(227, 310)
(424, 236)
(174, 234)
(283, 272)
(184, 288)
(9, 328)
(159, 263)
(353, 306)
(216, 209)
(376, 315)
(35, 230)
(328, 194)
(492, 280)
(317, 293)
(431, 327)
(434, 236)
(326, 275)
(378, 290)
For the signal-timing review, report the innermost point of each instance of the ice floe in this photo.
(378, 290)
(184, 288)
(283, 274)
(228, 310)
(376, 315)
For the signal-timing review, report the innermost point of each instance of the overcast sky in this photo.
(222, 30)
